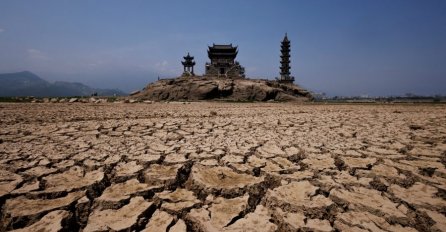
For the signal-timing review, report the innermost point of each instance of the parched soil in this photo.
(222, 167)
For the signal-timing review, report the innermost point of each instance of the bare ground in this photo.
(222, 167)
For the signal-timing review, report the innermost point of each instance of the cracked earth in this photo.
(222, 167)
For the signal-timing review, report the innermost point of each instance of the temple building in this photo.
(285, 74)
(188, 64)
(223, 62)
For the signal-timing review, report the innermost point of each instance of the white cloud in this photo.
(36, 54)
(164, 69)
(162, 65)
(251, 69)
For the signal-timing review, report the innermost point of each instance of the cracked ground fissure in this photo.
(244, 167)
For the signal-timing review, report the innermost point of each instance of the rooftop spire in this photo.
(285, 39)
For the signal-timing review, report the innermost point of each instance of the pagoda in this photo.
(188, 64)
(223, 62)
(285, 74)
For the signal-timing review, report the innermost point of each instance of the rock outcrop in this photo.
(209, 88)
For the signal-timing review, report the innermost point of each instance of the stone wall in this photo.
(232, 71)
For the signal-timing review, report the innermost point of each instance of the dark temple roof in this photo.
(223, 46)
(188, 57)
(222, 50)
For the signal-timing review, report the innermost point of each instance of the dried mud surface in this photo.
(222, 167)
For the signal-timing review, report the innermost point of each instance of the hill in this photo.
(213, 88)
(29, 84)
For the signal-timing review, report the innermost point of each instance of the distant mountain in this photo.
(29, 84)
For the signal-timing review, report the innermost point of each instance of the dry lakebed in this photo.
(211, 166)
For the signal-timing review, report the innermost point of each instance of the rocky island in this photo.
(225, 79)
(214, 88)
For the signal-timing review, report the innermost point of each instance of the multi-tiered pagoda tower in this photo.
(285, 74)
(188, 64)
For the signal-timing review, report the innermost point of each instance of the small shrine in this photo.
(188, 64)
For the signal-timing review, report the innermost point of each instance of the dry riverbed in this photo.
(222, 167)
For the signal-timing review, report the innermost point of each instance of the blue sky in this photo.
(342, 47)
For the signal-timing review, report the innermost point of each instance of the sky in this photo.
(339, 47)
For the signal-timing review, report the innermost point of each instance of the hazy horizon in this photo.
(338, 47)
